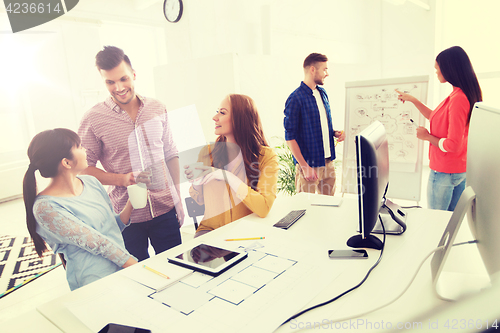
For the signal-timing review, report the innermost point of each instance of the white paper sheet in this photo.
(115, 306)
(152, 280)
(195, 309)
(274, 264)
(233, 291)
(182, 297)
(326, 200)
(196, 279)
(254, 276)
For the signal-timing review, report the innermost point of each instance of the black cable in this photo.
(393, 216)
(404, 291)
(408, 207)
(390, 213)
(347, 291)
(468, 242)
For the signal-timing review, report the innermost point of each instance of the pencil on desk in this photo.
(240, 239)
(156, 272)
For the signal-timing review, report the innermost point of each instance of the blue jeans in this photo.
(444, 190)
(163, 232)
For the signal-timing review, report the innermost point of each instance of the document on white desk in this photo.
(157, 274)
(267, 308)
(182, 298)
(276, 240)
(112, 304)
(274, 264)
(326, 200)
(262, 291)
(197, 279)
(254, 276)
(256, 295)
(233, 291)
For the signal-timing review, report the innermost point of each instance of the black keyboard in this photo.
(290, 219)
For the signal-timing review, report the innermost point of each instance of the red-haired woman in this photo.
(240, 170)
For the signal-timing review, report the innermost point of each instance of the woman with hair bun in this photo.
(73, 215)
(449, 128)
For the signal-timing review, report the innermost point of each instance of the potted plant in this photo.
(286, 174)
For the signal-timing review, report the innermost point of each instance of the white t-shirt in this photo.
(324, 123)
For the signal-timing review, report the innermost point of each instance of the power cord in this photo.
(347, 291)
(395, 219)
(402, 293)
(468, 242)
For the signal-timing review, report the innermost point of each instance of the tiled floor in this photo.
(53, 284)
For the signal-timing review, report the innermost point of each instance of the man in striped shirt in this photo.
(130, 135)
(309, 130)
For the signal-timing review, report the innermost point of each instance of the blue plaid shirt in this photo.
(302, 124)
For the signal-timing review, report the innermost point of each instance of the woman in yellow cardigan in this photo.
(239, 172)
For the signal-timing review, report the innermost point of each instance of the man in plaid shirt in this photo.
(309, 130)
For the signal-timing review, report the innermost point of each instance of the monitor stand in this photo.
(394, 219)
(451, 286)
(370, 242)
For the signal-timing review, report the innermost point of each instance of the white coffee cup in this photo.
(138, 195)
(195, 172)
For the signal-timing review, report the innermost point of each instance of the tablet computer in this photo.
(208, 259)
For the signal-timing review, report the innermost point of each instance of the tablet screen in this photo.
(208, 259)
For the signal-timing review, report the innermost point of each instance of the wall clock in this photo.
(172, 9)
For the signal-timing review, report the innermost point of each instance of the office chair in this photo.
(194, 210)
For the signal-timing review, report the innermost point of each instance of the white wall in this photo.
(473, 25)
(264, 43)
(49, 78)
(269, 41)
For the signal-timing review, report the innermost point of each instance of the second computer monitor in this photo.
(372, 165)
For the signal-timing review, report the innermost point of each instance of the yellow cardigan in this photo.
(223, 205)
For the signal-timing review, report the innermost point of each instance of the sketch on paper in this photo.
(369, 101)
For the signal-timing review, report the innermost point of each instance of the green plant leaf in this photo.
(286, 174)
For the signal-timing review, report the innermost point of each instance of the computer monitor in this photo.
(483, 175)
(480, 202)
(372, 166)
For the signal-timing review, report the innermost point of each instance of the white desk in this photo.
(324, 228)
(29, 322)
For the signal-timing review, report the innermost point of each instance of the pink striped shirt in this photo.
(110, 136)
